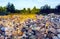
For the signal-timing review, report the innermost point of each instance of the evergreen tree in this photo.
(58, 9)
(24, 10)
(34, 10)
(10, 8)
(45, 9)
(28, 10)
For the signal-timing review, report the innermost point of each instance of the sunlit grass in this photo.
(22, 17)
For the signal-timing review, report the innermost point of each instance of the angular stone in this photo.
(55, 37)
(58, 35)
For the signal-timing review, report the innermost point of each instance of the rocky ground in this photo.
(42, 27)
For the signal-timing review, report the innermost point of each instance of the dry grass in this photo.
(22, 17)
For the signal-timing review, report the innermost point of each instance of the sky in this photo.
(20, 4)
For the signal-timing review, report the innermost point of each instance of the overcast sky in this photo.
(19, 4)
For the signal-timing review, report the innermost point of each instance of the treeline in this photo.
(10, 9)
(47, 10)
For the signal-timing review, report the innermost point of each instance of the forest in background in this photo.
(10, 9)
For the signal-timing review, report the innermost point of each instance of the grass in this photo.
(22, 17)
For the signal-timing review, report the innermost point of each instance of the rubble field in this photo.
(30, 26)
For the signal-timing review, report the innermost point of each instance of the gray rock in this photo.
(55, 37)
(58, 30)
(52, 30)
(32, 37)
(58, 35)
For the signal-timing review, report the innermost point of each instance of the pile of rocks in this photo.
(43, 27)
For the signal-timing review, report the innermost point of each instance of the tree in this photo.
(24, 10)
(2, 10)
(58, 8)
(28, 10)
(17, 11)
(45, 9)
(10, 8)
(34, 10)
